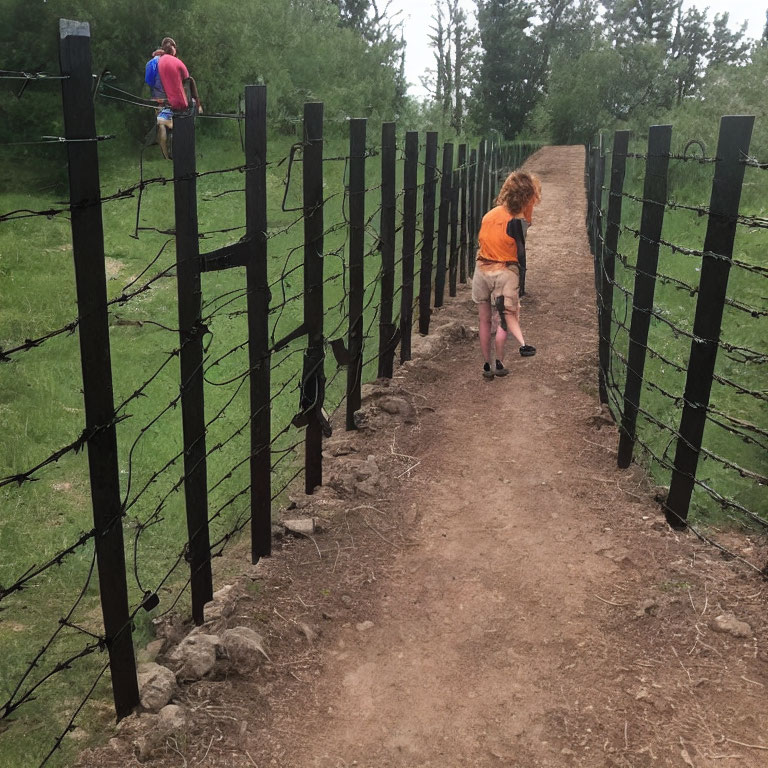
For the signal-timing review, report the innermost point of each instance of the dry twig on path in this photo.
(610, 602)
(749, 746)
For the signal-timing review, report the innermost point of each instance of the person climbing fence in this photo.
(168, 80)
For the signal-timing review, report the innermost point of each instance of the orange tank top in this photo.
(495, 243)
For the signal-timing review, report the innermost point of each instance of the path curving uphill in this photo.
(496, 592)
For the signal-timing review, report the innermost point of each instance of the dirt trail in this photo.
(508, 597)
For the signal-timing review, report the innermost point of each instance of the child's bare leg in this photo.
(501, 340)
(162, 139)
(484, 330)
(162, 136)
(513, 325)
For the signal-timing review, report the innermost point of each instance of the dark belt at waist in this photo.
(496, 261)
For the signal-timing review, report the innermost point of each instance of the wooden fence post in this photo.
(487, 171)
(472, 223)
(463, 249)
(410, 187)
(480, 209)
(492, 163)
(357, 136)
(313, 379)
(591, 199)
(257, 281)
(597, 226)
(191, 332)
(442, 223)
(91, 283)
(387, 331)
(488, 181)
(608, 263)
(732, 148)
(655, 196)
(428, 244)
(589, 185)
(453, 262)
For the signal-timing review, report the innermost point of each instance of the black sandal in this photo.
(527, 350)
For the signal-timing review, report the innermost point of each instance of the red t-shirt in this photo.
(172, 74)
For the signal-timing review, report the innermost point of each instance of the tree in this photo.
(641, 20)
(453, 44)
(727, 47)
(691, 44)
(582, 93)
(462, 45)
(440, 42)
(510, 71)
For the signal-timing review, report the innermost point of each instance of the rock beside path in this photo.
(244, 648)
(728, 623)
(157, 685)
(195, 657)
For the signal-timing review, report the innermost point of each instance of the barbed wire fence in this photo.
(685, 382)
(309, 296)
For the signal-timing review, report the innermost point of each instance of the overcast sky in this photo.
(417, 17)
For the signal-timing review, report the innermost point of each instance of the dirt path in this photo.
(496, 592)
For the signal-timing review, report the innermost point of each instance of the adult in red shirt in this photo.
(174, 75)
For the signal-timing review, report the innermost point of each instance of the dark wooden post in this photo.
(410, 187)
(313, 380)
(652, 219)
(490, 190)
(494, 188)
(428, 244)
(480, 208)
(257, 280)
(442, 223)
(387, 331)
(453, 263)
(589, 176)
(91, 285)
(608, 272)
(472, 222)
(732, 148)
(487, 181)
(357, 135)
(597, 226)
(191, 333)
(463, 249)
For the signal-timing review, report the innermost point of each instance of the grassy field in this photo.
(41, 406)
(690, 184)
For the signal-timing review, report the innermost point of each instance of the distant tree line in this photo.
(568, 67)
(347, 53)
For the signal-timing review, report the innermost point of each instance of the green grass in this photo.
(690, 184)
(42, 409)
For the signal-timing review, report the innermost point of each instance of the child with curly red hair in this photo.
(501, 265)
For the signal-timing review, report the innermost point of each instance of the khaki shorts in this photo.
(489, 284)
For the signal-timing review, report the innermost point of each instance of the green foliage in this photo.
(580, 94)
(633, 20)
(301, 48)
(599, 88)
(726, 90)
(559, 68)
(509, 74)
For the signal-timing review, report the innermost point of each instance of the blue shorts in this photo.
(166, 113)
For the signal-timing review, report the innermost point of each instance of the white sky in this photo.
(417, 16)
